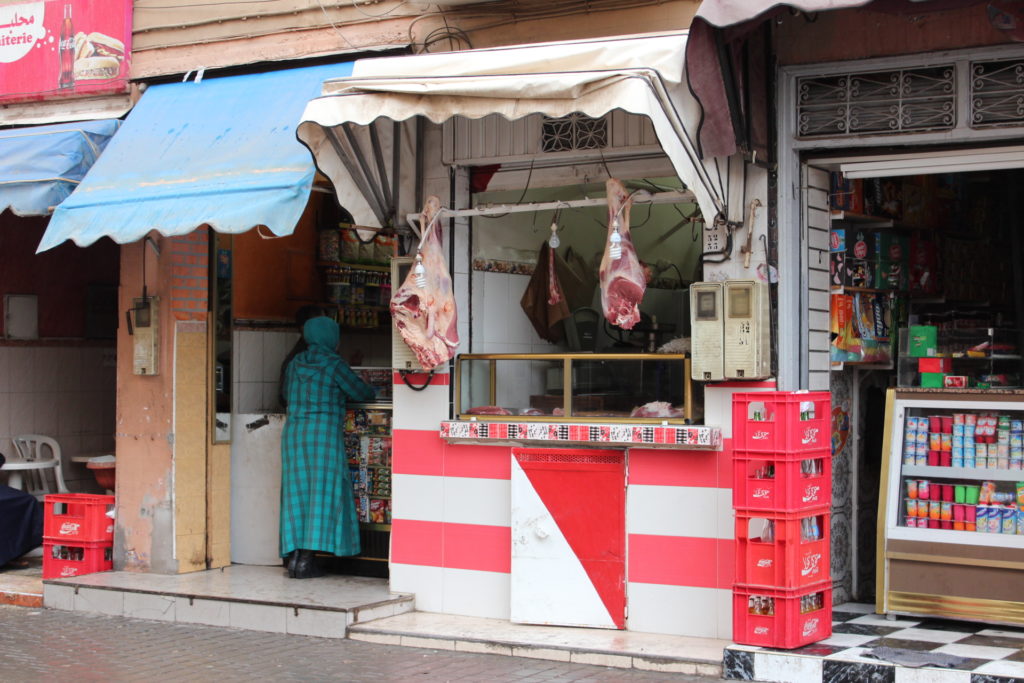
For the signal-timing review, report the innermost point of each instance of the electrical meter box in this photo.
(707, 331)
(143, 324)
(747, 330)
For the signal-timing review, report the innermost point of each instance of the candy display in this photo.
(969, 440)
(368, 445)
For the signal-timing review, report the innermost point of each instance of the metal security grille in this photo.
(997, 93)
(568, 457)
(573, 132)
(880, 102)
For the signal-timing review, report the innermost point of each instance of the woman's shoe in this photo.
(292, 560)
(306, 567)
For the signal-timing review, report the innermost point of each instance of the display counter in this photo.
(950, 535)
(577, 399)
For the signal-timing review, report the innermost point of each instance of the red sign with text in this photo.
(60, 48)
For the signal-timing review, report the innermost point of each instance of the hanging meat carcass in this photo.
(622, 278)
(424, 306)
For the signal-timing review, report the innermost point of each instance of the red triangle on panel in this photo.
(588, 503)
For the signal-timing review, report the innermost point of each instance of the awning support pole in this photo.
(640, 197)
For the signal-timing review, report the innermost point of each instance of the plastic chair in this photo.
(29, 470)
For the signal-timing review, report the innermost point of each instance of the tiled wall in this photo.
(258, 356)
(66, 392)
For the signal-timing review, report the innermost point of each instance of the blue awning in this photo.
(41, 165)
(220, 152)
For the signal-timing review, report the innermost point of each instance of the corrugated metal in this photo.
(221, 152)
(41, 165)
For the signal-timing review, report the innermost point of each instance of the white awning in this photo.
(637, 74)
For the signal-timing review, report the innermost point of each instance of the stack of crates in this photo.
(782, 494)
(78, 535)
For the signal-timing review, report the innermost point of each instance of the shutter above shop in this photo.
(637, 74)
(220, 152)
(41, 165)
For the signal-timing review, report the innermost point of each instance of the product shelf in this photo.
(973, 473)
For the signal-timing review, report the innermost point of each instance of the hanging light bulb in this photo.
(615, 240)
(553, 241)
(420, 272)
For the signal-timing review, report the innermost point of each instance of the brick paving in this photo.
(39, 644)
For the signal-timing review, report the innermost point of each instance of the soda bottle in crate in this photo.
(774, 482)
(773, 617)
(781, 422)
(64, 560)
(783, 550)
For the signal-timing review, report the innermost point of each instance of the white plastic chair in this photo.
(29, 470)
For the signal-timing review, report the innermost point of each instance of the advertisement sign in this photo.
(60, 48)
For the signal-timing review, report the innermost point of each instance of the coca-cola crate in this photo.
(783, 550)
(78, 518)
(781, 421)
(61, 560)
(782, 483)
(772, 617)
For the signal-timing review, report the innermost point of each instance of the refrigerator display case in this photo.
(950, 530)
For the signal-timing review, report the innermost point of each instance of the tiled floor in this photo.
(869, 647)
(21, 582)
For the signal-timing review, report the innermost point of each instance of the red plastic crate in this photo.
(769, 421)
(61, 560)
(78, 518)
(787, 561)
(788, 626)
(782, 483)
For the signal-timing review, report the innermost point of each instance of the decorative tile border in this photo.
(647, 435)
(499, 266)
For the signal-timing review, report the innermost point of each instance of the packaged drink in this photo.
(958, 430)
(946, 422)
(945, 442)
(923, 489)
(934, 509)
(912, 488)
(1009, 520)
(922, 438)
(946, 511)
(970, 419)
(1016, 463)
(969, 460)
(921, 459)
(1020, 521)
(934, 441)
(957, 461)
(981, 518)
(911, 505)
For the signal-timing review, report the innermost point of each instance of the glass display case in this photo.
(959, 357)
(649, 387)
(951, 537)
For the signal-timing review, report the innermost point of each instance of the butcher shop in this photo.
(552, 451)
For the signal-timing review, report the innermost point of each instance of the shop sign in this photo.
(61, 48)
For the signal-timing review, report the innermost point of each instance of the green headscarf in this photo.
(321, 332)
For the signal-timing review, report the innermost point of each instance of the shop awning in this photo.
(41, 165)
(220, 152)
(638, 74)
(729, 12)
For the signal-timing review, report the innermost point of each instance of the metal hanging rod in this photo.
(640, 197)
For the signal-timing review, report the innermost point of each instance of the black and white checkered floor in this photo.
(869, 647)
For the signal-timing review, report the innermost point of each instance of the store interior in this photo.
(926, 293)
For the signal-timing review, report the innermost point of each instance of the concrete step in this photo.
(249, 597)
(623, 649)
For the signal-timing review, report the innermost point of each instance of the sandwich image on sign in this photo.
(97, 56)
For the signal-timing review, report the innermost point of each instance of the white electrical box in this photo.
(707, 332)
(145, 330)
(747, 330)
(21, 316)
(402, 357)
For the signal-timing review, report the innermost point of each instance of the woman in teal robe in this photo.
(318, 510)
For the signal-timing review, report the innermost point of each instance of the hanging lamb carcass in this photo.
(423, 308)
(623, 281)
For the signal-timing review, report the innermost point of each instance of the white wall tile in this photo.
(99, 601)
(149, 606)
(657, 608)
(249, 397)
(417, 497)
(58, 597)
(68, 413)
(786, 668)
(479, 312)
(198, 611)
(270, 398)
(44, 415)
(5, 369)
(5, 414)
(477, 594)
(472, 500)
(22, 409)
(249, 356)
(520, 329)
(426, 583)
(494, 304)
(315, 622)
(45, 370)
(22, 375)
(258, 617)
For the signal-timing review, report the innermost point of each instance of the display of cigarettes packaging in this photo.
(964, 440)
